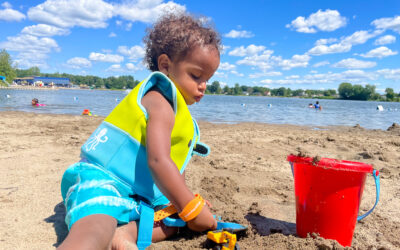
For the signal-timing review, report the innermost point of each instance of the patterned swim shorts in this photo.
(88, 189)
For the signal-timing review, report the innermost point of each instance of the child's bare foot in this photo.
(125, 237)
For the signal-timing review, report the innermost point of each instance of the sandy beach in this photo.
(246, 178)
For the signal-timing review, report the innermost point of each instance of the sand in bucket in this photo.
(328, 195)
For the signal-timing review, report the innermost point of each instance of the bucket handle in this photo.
(375, 174)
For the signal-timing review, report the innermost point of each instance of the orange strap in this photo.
(192, 209)
(164, 213)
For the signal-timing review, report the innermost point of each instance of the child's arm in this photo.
(164, 171)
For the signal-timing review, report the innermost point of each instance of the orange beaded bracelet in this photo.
(192, 209)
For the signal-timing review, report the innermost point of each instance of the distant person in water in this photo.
(317, 105)
(35, 102)
(310, 105)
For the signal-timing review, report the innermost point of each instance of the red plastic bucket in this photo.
(328, 195)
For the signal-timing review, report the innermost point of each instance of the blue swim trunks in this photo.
(88, 189)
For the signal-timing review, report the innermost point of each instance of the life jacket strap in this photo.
(145, 229)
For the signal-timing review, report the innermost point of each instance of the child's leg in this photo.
(126, 235)
(91, 232)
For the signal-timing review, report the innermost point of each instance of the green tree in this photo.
(329, 92)
(279, 92)
(237, 90)
(6, 66)
(345, 90)
(297, 92)
(389, 94)
(214, 88)
(227, 90)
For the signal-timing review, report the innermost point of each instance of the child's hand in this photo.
(204, 221)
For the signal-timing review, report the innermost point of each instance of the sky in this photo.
(292, 44)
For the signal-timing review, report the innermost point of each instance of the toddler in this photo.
(134, 162)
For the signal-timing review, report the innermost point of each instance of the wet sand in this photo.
(246, 178)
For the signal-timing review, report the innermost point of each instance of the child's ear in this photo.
(163, 63)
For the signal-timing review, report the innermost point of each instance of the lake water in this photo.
(218, 109)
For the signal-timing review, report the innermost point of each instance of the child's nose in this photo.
(203, 86)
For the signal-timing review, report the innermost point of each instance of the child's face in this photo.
(34, 102)
(191, 73)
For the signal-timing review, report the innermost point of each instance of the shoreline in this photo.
(312, 127)
(246, 178)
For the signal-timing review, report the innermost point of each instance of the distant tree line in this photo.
(345, 91)
(215, 88)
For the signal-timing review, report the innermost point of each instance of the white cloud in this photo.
(246, 51)
(354, 76)
(226, 66)
(115, 68)
(220, 74)
(294, 62)
(325, 41)
(261, 74)
(32, 50)
(292, 77)
(236, 73)
(133, 67)
(6, 5)
(261, 61)
(334, 48)
(320, 64)
(393, 74)
(105, 57)
(79, 62)
(239, 34)
(146, 10)
(328, 20)
(388, 23)
(70, 13)
(44, 30)
(29, 43)
(380, 52)
(388, 39)
(345, 44)
(9, 14)
(267, 81)
(128, 26)
(360, 37)
(134, 53)
(352, 63)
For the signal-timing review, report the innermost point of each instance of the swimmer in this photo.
(317, 106)
(35, 102)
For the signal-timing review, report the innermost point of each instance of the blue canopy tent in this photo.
(2, 78)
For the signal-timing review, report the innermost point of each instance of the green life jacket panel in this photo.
(119, 144)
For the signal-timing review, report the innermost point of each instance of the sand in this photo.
(246, 178)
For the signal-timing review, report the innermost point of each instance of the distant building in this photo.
(43, 81)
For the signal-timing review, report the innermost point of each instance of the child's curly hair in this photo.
(174, 35)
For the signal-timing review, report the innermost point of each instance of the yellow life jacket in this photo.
(119, 144)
